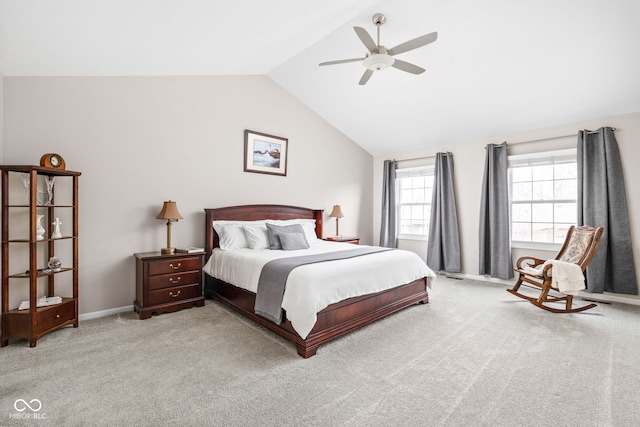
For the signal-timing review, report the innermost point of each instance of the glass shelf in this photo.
(39, 206)
(41, 273)
(37, 241)
(42, 308)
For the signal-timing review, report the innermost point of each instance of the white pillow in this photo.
(256, 235)
(308, 226)
(231, 236)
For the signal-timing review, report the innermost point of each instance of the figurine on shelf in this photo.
(56, 229)
(49, 180)
(39, 228)
(55, 264)
(26, 182)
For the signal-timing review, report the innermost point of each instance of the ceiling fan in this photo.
(379, 57)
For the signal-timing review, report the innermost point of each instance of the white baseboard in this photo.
(481, 278)
(105, 313)
(605, 298)
(608, 298)
(584, 295)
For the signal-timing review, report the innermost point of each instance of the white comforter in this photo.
(311, 288)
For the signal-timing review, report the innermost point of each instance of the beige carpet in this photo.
(474, 356)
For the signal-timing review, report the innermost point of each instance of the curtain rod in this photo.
(552, 137)
(508, 143)
(421, 158)
(414, 158)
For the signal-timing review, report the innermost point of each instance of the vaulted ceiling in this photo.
(498, 66)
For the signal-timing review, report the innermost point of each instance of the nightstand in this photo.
(167, 283)
(345, 239)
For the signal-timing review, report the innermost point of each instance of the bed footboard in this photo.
(334, 321)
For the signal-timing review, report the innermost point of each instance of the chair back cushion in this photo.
(578, 246)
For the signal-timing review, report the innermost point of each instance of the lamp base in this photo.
(168, 251)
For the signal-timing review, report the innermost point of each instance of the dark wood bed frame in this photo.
(336, 319)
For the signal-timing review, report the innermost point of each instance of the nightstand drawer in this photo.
(167, 282)
(174, 294)
(166, 266)
(175, 279)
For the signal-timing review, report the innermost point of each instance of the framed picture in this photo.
(265, 153)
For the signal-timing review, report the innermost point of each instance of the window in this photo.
(543, 189)
(414, 189)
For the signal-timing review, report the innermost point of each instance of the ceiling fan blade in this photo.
(341, 61)
(366, 39)
(413, 44)
(366, 76)
(406, 66)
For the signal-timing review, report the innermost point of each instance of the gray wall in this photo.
(141, 140)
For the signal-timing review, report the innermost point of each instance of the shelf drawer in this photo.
(166, 266)
(175, 279)
(55, 316)
(174, 294)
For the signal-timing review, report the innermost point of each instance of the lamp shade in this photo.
(336, 212)
(169, 211)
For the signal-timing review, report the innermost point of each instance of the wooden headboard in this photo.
(255, 213)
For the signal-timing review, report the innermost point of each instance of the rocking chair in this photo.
(579, 247)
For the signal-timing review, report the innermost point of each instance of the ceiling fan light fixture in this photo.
(378, 57)
(378, 62)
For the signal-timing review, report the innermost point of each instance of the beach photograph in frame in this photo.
(265, 153)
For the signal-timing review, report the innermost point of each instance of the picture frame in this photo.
(264, 153)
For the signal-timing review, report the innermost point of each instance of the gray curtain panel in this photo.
(602, 202)
(388, 228)
(443, 248)
(495, 239)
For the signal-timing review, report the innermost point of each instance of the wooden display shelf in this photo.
(32, 323)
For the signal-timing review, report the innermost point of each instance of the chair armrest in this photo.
(546, 272)
(529, 261)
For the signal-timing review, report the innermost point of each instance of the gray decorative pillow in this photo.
(293, 241)
(274, 232)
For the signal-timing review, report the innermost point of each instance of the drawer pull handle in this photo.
(171, 294)
(175, 267)
(57, 316)
(175, 281)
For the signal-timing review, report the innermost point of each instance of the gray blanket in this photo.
(274, 274)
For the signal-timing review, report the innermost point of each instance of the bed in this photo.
(331, 321)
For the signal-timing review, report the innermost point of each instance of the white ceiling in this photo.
(498, 66)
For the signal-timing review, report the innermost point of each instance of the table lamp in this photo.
(170, 213)
(337, 214)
